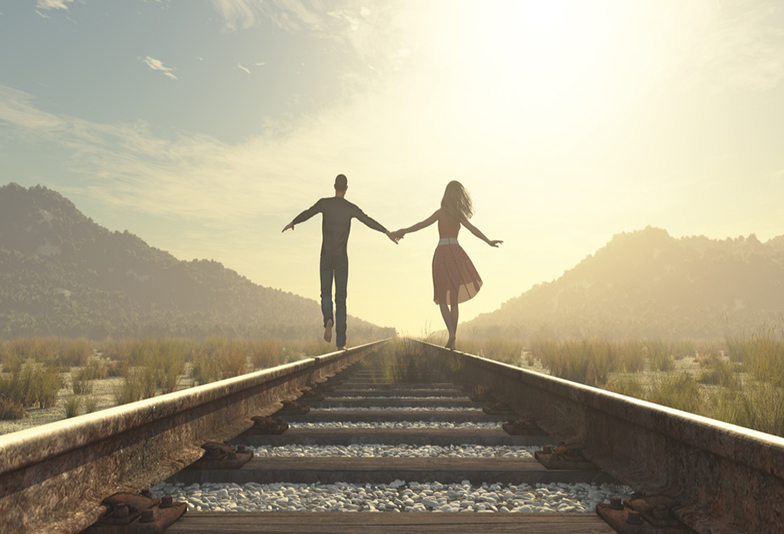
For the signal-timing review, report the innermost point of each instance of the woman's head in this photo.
(457, 201)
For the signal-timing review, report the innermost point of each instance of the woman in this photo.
(455, 279)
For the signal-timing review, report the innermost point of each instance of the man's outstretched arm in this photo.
(304, 216)
(375, 225)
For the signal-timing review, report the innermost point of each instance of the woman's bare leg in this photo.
(447, 315)
(453, 315)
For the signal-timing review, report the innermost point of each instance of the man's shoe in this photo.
(328, 331)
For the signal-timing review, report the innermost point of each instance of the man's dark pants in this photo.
(335, 265)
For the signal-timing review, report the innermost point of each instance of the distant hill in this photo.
(63, 274)
(647, 283)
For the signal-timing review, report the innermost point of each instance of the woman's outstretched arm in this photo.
(418, 226)
(474, 230)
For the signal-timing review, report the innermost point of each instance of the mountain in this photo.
(647, 283)
(63, 274)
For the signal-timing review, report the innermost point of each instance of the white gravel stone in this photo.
(397, 496)
(377, 450)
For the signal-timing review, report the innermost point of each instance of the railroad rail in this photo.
(689, 472)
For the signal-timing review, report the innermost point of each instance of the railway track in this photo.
(363, 446)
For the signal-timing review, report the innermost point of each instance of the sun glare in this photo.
(547, 64)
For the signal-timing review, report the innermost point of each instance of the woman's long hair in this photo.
(457, 202)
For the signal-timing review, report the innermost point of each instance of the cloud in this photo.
(53, 4)
(17, 109)
(739, 48)
(156, 64)
(239, 66)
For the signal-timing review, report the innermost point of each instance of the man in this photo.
(337, 213)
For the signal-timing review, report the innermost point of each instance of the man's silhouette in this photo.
(337, 213)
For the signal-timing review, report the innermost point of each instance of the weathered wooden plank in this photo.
(408, 402)
(453, 416)
(365, 522)
(393, 436)
(328, 470)
(402, 391)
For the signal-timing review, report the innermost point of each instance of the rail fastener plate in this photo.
(222, 456)
(642, 515)
(266, 426)
(522, 427)
(564, 456)
(130, 513)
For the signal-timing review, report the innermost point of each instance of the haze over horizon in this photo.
(205, 127)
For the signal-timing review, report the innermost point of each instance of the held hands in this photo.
(394, 237)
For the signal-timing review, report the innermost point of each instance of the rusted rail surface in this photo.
(725, 478)
(54, 477)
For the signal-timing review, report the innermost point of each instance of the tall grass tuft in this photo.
(79, 384)
(631, 356)
(503, 350)
(758, 406)
(31, 384)
(139, 383)
(75, 352)
(679, 391)
(90, 404)
(718, 371)
(72, 405)
(628, 385)
(659, 354)
(234, 358)
(265, 353)
(584, 361)
(11, 409)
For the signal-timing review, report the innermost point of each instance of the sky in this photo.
(205, 126)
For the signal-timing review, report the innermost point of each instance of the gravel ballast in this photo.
(377, 450)
(398, 496)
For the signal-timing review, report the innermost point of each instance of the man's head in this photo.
(341, 183)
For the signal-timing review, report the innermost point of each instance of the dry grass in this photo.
(29, 385)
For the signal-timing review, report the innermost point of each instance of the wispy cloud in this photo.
(741, 49)
(17, 109)
(53, 4)
(156, 64)
(291, 15)
(239, 66)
